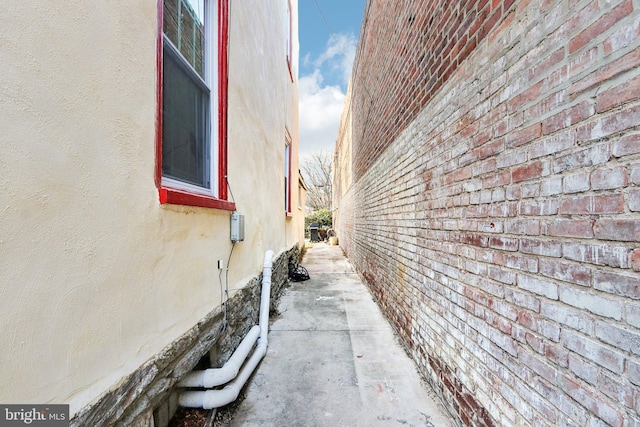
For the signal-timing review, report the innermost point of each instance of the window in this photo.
(288, 42)
(287, 173)
(191, 147)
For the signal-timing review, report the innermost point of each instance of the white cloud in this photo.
(340, 51)
(320, 111)
(307, 59)
(321, 105)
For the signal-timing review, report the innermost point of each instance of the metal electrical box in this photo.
(237, 227)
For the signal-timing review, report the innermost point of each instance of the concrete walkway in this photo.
(333, 360)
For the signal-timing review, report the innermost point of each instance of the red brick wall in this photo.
(495, 205)
(408, 50)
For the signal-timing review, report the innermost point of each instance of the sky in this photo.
(326, 56)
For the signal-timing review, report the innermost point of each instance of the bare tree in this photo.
(317, 175)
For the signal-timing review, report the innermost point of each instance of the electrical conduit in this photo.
(209, 399)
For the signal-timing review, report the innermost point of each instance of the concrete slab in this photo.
(333, 360)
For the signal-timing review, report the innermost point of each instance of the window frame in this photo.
(287, 173)
(172, 191)
(289, 39)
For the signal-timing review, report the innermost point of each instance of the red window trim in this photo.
(173, 196)
(177, 197)
(290, 53)
(288, 145)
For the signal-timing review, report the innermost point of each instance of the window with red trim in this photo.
(191, 143)
(287, 173)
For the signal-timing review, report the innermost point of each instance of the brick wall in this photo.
(495, 205)
(414, 41)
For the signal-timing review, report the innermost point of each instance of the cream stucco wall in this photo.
(257, 124)
(95, 275)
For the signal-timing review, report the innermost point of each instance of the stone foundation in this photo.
(152, 387)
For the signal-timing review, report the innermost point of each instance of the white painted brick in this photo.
(549, 330)
(502, 275)
(624, 339)
(551, 186)
(633, 368)
(539, 207)
(523, 299)
(614, 256)
(520, 262)
(568, 316)
(593, 351)
(576, 183)
(485, 196)
(609, 178)
(583, 369)
(530, 190)
(541, 247)
(577, 414)
(633, 422)
(597, 422)
(618, 284)
(633, 315)
(537, 286)
(498, 195)
(635, 173)
(594, 303)
(513, 192)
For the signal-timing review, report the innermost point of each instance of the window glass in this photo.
(185, 151)
(186, 115)
(183, 24)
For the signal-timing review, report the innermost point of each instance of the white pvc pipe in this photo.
(216, 398)
(210, 399)
(216, 376)
(265, 296)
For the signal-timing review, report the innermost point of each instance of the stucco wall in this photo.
(494, 210)
(257, 129)
(96, 276)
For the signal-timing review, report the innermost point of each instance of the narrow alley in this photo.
(334, 360)
(477, 161)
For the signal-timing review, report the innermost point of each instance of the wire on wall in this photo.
(224, 287)
(225, 291)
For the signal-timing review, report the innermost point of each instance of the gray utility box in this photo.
(237, 227)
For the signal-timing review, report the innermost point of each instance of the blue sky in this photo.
(326, 56)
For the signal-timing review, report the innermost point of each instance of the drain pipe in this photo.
(210, 399)
(210, 378)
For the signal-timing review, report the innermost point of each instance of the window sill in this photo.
(177, 197)
(288, 214)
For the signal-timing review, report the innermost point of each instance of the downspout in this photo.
(209, 399)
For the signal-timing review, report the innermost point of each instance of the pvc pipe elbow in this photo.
(217, 376)
(234, 368)
(210, 399)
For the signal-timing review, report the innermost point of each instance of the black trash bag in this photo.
(297, 273)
